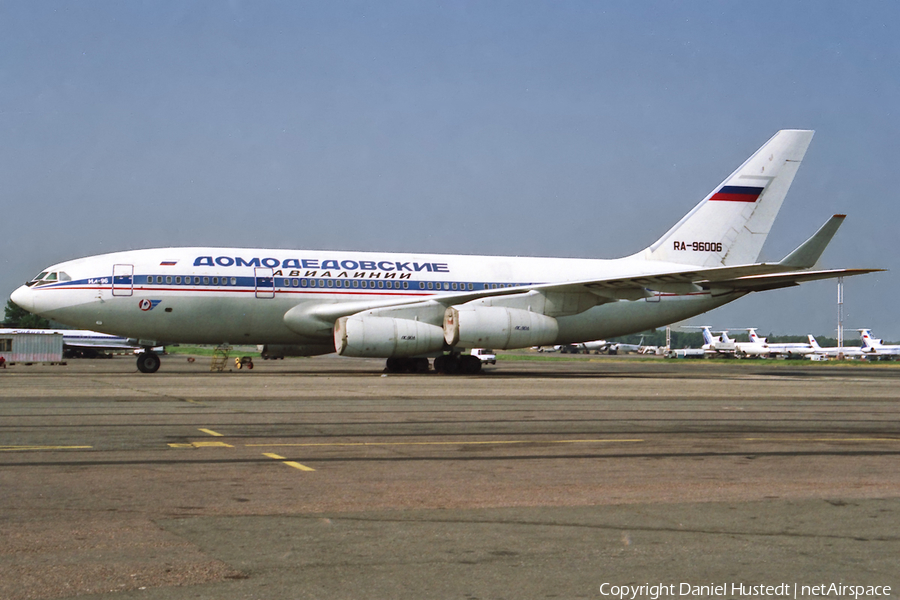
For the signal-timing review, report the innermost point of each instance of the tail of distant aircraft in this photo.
(708, 336)
(755, 338)
(867, 340)
(730, 225)
(813, 343)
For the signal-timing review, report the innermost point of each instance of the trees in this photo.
(16, 316)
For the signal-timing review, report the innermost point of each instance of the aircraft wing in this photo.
(759, 283)
(99, 345)
(720, 280)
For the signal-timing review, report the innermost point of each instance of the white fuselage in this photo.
(236, 295)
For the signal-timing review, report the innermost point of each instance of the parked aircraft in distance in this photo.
(593, 346)
(875, 347)
(579, 348)
(80, 343)
(833, 351)
(716, 344)
(722, 344)
(745, 349)
(623, 348)
(410, 307)
(787, 349)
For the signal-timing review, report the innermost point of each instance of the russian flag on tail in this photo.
(737, 193)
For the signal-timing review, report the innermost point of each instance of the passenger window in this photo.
(178, 280)
(159, 279)
(429, 285)
(215, 281)
(355, 283)
(330, 283)
(405, 285)
(380, 284)
(453, 286)
(168, 279)
(206, 281)
(471, 286)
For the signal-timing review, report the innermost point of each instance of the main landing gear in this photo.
(148, 362)
(453, 364)
(446, 364)
(406, 365)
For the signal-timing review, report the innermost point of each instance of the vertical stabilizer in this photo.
(730, 225)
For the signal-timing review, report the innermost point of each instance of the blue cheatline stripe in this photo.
(297, 284)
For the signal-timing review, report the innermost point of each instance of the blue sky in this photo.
(518, 128)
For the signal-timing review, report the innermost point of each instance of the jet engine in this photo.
(498, 327)
(385, 337)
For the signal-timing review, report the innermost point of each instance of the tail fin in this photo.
(813, 342)
(730, 225)
(707, 336)
(867, 340)
(751, 331)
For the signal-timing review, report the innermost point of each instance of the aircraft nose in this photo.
(24, 298)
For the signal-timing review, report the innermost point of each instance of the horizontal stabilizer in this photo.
(807, 254)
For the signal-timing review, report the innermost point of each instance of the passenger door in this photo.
(265, 282)
(123, 280)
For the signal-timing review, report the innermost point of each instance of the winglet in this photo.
(806, 255)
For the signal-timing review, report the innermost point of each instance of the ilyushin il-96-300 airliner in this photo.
(412, 307)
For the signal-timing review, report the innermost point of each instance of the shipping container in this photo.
(31, 347)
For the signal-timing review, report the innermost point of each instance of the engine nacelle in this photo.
(385, 337)
(498, 327)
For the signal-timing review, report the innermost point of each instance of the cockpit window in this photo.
(50, 277)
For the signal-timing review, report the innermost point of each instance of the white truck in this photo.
(487, 357)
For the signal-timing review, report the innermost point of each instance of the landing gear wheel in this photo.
(395, 364)
(448, 364)
(148, 362)
(470, 365)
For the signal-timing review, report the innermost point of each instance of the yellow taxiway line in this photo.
(289, 463)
